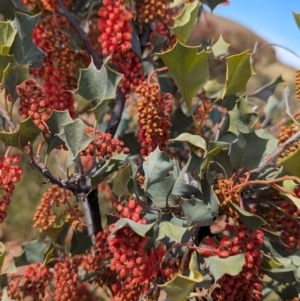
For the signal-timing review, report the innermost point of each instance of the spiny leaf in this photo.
(196, 142)
(103, 171)
(100, 109)
(121, 180)
(247, 151)
(185, 21)
(7, 36)
(231, 265)
(23, 48)
(243, 117)
(214, 3)
(55, 124)
(172, 231)
(98, 84)
(266, 91)
(75, 137)
(188, 68)
(27, 132)
(33, 251)
(238, 72)
(6, 62)
(220, 48)
(180, 286)
(54, 232)
(297, 19)
(196, 212)
(139, 229)
(80, 243)
(291, 163)
(156, 166)
(251, 221)
(2, 254)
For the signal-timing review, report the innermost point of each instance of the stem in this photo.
(8, 151)
(87, 44)
(156, 71)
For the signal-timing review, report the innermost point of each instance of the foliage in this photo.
(202, 200)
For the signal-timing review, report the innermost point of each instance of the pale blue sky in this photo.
(271, 19)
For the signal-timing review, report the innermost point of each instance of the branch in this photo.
(272, 157)
(71, 184)
(117, 113)
(87, 44)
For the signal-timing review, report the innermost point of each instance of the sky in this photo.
(273, 20)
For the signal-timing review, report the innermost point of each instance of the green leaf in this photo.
(209, 196)
(274, 237)
(80, 243)
(238, 72)
(5, 295)
(231, 265)
(270, 263)
(266, 91)
(159, 192)
(185, 21)
(196, 212)
(247, 151)
(243, 117)
(55, 124)
(156, 166)
(7, 36)
(291, 163)
(100, 109)
(139, 229)
(121, 181)
(110, 166)
(251, 221)
(179, 288)
(27, 132)
(213, 3)
(294, 199)
(220, 48)
(167, 229)
(297, 19)
(32, 252)
(98, 84)
(75, 138)
(188, 68)
(188, 180)
(6, 62)
(58, 230)
(2, 254)
(23, 48)
(195, 142)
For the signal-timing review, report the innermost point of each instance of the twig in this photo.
(5, 115)
(117, 113)
(87, 44)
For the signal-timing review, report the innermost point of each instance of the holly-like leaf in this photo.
(251, 221)
(238, 72)
(195, 142)
(7, 36)
(247, 151)
(291, 163)
(185, 21)
(75, 137)
(103, 171)
(196, 212)
(32, 252)
(2, 254)
(297, 19)
(243, 117)
(180, 286)
(80, 243)
(220, 48)
(27, 132)
(98, 84)
(188, 180)
(156, 166)
(266, 91)
(55, 124)
(172, 231)
(58, 231)
(100, 109)
(139, 229)
(121, 181)
(188, 68)
(294, 199)
(231, 265)
(23, 48)
(214, 3)
(6, 62)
